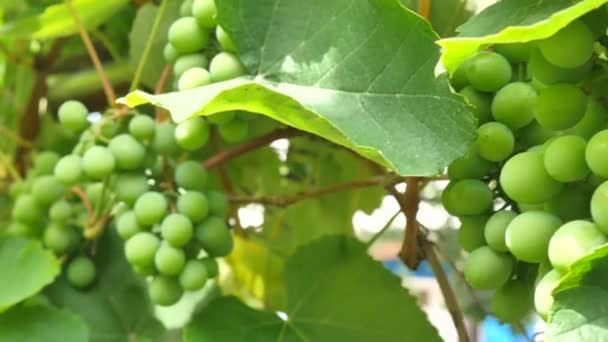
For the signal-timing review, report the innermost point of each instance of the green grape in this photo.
(482, 103)
(69, 169)
(205, 12)
(164, 139)
(525, 180)
(214, 236)
(596, 21)
(17, 189)
(81, 272)
(170, 53)
(127, 226)
(141, 248)
(488, 71)
(225, 66)
(595, 153)
(169, 260)
(599, 205)
(543, 297)
(528, 235)
(224, 39)
(193, 276)
(564, 158)
(221, 118)
(45, 162)
(594, 180)
(144, 271)
(573, 241)
(60, 211)
(459, 79)
(164, 291)
(47, 189)
(194, 205)
(58, 238)
(467, 197)
(513, 105)
(218, 204)
(560, 106)
(234, 130)
(130, 186)
(495, 141)
(128, 152)
(26, 209)
(513, 301)
(592, 122)
(187, 62)
(213, 269)
(177, 230)
(194, 78)
(94, 192)
(186, 36)
(191, 175)
(485, 268)
(535, 134)
(98, 162)
(495, 229)
(471, 165)
(515, 52)
(569, 47)
(185, 10)
(150, 208)
(470, 234)
(570, 204)
(73, 116)
(142, 127)
(192, 134)
(22, 229)
(548, 73)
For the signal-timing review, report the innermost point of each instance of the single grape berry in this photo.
(128, 152)
(98, 162)
(576, 38)
(185, 9)
(194, 205)
(599, 207)
(543, 297)
(564, 158)
(193, 276)
(225, 66)
(488, 71)
(572, 241)
(81, 272)
(213, 269)
(527, 235)
(192, 134)
(547, 73)
(194, 78)
(177, 230)
(513, 105)
(572, 203)
(130, 186)
(47, 189)
(141, 248)
(205, 12)
(595, 153)
(73, 116)
(44, 162)
(515, 52)
(142, 127)
(60, 211)
(187, 62)
(164, 139)
(186, 36)
(214, 236)
(470, 234)
(58, 238)
(150, 208)
(485, 268)
(191, 175)
(471, 165)
(127, 226)
(170, 53)
(495, 141)
(524, 172)
(513, 301)
(26, 209)
(495, 229)
(592, 122)
(164, 290)
(467, 197)
(221, 118)
(224, 39)
(169, 260)
(218, 204)
(69, 169)
(560, 106)
(234, 130)
(481, 102)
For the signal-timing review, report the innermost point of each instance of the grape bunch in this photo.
(531, 193)
(202, 53)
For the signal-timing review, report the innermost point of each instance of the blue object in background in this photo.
(494, 331)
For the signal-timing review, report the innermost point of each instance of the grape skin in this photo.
(526, 171)
(573, 241)
(191, 175)
(595, 153)
(192, 134)
(98, 162)
(470, 234)
(527, 235)
(495, 229)
(193, 276)
(485, 268)
(164, 290)
(69, 169)
(81, 272)
(177, 230)
(205, 12)
(488, 71)
(512, 302)
(214, 236)
(150, 208)
(73, 115)
(495, 141)
(513, 105)
(564, 158)
(543, 297)
(467, 197)
(576, 38)
(142, 127)
(226, 66)
(599, 207)
(471, 165)
(224, 39)
(169, 260)
(186, 36)
(193, 205)
(128, 152)
(141, 248)
(560, 106)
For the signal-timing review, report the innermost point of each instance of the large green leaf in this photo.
(335, 292)
(41, 323)
(56, 20)
(511, 21)
(359, 73)
(27, 268)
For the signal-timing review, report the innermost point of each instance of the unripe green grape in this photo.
(513, 301)
(467, 197)
(191, 175)
(470, 234)
(142, 127)
(127, 226)
(495, 229)
(164, 290)
(572, 241)
(194, 78)
(599, 207)
(527, 235)
(192, 134)
(187, 62)
(221, 118)
(60, 211)
(164, 139)
(560, 106)
(58, 238)
(22, 229)
(170, 53)
(177, 230)
(471, 165)
(218, 204)
(525, 172)
(543, 297)
(564, 158)
(596, 152)
(205, 12)
(141, 248)
(576, 39)
(547, 73)
(482, 102)
(488, 71)
(69, 169)
(45, 162)
(213, 269)
(535, 134)
(187, 36)
(495, 141)
(27, 210)
(592, 122)
(513, 105)
(572, 203)
(234, 130)
(485, 268)
(17, 189)
(128, 152)
(224, 39)
(193, 276)
(150, 208)
(47, 189)
(214, 236)
(169, 260)
(130, 186)
(98, 162)
(458, 79)
(145, 271)
(226, 66)
(73, 116)
(515, 52)
(194, 205)
(81, 272)
(185, 9)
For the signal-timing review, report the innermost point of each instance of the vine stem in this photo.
(424, 8)
(149, 44)
(84, 35)
(85, 200)
(161, 114)
(409, 248)
(381, 232)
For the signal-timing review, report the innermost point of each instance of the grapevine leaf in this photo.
(344, 70)
(322, 279)
(56, 20)
(41, 323)
(511, 21)
(28, 268)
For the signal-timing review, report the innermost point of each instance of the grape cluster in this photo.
(192, 39)
(531, 192)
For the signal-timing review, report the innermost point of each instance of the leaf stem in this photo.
(424, 8)
(387, 225)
